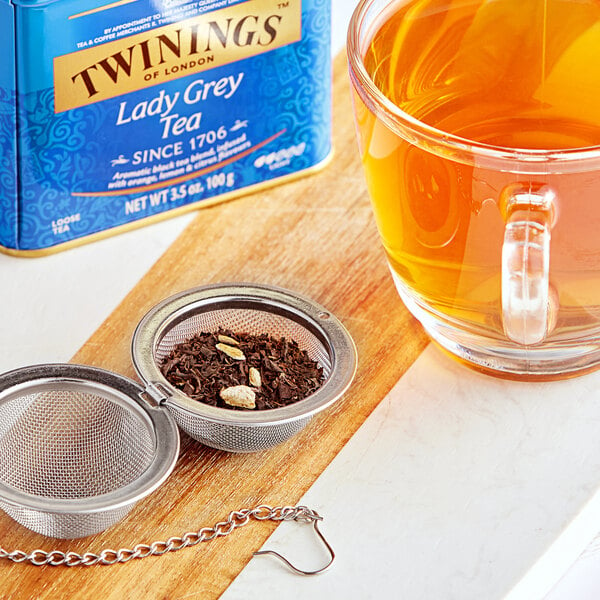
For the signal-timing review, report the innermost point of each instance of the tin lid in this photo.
(30, 3)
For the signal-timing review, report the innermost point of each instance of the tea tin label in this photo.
(137, 107)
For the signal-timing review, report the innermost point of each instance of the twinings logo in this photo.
(174, 51)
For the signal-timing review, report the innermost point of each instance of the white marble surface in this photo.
(457, 486)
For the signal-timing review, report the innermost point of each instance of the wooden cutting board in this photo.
(315, 236)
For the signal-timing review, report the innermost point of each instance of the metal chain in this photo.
(236, 519)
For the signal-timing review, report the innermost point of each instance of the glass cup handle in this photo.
(529, 214)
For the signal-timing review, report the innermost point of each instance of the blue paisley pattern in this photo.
(8, 170)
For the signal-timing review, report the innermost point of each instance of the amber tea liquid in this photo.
(505, 73)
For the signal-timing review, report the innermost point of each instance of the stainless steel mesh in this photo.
(76, 454)
(80, 445)
(69, 444)
(65, 526)
(238, 437)
(225, 436)
(251, 310)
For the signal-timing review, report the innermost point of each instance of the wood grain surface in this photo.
(315, 236)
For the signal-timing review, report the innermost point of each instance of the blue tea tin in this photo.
(113, 113)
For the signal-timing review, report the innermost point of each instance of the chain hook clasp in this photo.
(315, 518)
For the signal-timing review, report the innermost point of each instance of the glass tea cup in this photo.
(479, 132)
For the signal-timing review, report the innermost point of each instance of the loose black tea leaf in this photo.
(277, 371)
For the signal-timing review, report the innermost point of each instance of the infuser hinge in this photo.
(155, 394)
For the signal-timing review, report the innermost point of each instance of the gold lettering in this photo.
(214, 27)
(214, 39)
(121, 64)
(237, 34)
(87, 80)
(175, 48)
